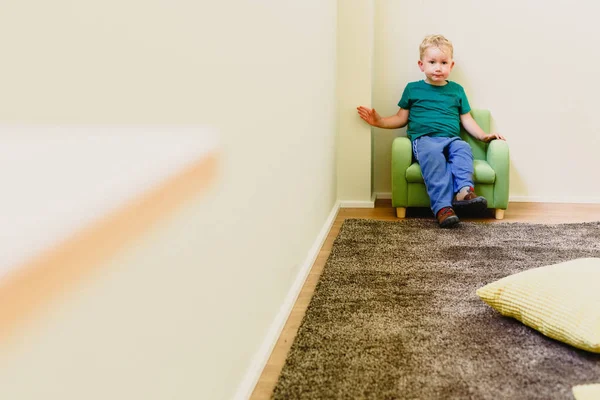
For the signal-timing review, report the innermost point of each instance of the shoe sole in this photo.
(450, 222)
(476, 204)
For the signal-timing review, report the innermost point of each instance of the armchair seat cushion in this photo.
(483, 173)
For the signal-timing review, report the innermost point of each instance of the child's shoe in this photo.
(469, 201)
(447, 218)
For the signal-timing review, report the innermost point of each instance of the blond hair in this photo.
(438, 41)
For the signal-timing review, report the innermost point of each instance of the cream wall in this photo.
(530, 62)
(183, 313)
(354, 88)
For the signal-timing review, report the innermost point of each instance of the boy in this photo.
(433, 109)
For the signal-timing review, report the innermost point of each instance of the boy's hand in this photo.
(492, 136)
(369, 115)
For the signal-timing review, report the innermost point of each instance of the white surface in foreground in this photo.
(58, 179)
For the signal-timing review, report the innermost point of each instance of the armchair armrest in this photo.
(498, 158)
(401, 160)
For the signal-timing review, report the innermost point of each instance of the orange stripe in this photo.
(33, 284)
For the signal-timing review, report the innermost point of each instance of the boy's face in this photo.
(436, 63)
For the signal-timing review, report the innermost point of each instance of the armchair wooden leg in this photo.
(400, 212)
(499, 213)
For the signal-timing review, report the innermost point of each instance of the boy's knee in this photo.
(461, 144)
(434, 159)
(462, 147)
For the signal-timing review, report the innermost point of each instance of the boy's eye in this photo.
(445, 62)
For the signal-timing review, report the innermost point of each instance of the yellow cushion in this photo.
(587, 392)
(562, 301)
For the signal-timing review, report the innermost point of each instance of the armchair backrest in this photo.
(479, 148)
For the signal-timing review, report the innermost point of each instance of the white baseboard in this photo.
(264, 352)
(555, 199)
(357, 204)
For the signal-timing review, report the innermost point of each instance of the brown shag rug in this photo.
(395, 316)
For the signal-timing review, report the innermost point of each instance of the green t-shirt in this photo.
(434, 110)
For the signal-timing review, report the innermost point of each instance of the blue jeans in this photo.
(447, 167)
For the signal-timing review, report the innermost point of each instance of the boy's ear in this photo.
(421, 65)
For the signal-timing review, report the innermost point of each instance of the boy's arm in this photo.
(374, 119)
(474, 130)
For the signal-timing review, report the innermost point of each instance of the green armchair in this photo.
(491, 171)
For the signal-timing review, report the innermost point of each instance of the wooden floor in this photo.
(516, 212)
